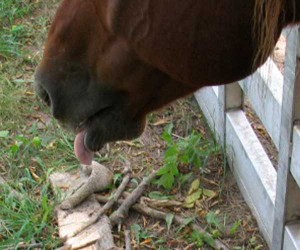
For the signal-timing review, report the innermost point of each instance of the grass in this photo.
(31, 144)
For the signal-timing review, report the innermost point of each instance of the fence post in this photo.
(230, 98)
(287, 203)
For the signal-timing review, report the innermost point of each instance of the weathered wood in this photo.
(207, 99)
(295, 162)
(256, 177)
(264, 91)
(254, 173)
(287, 205)
(70, 221)
(233, 97)
(292, 236)
(253, 170)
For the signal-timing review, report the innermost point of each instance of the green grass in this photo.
(11, 31)
(25, 220)
(32, 145)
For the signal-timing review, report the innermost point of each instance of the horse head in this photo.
(108, 63)
(93, 81)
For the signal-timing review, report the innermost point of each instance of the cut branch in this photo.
(117, 216)
(127, 240)
(99, 179)
(143, 209)
(110, 202)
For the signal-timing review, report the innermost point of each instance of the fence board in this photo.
(287, 204)
(264, 91)
(253, 170)
(295, 163)
(207, 98)
(292, 237)
(274, 198)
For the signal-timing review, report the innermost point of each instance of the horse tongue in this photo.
(82, 153)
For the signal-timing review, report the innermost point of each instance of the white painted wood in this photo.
(255, 175)
(287, 203)
(254, 172)
(292, 236)
(264, 90)
(295, 162)
(207, 99)
(233, 97)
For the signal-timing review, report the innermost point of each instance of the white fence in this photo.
(273, 196)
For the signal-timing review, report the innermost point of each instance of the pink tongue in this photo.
(82, 153)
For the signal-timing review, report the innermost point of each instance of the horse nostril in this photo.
(43, 94)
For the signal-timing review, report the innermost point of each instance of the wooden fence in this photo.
(273, 195)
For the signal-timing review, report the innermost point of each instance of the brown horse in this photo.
(107, 63)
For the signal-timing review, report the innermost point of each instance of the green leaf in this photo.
(213, 219)
(167, 134)
(198, 238)
(159, 196)
(171, 153)
(166, 180)
(192, 198)
(4, 134)
(169, 220)
(235, 227)
(194, 186)
(164, 170)
(209, 240)
(37, 142)
(185, 223)
(15, 148)
(209, 193)
(185, 177)
(136, 231)
(117, 178)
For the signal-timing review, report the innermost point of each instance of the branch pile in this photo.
(85, 224)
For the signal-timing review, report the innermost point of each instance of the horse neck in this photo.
(292, 12)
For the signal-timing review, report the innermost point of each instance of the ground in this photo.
(33, 146)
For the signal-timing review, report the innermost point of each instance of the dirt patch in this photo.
(147, 153)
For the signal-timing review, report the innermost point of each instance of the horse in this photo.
(108, 63)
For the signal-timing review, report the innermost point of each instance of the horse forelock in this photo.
(266, 20)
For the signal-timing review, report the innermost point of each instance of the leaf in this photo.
(172, 153)
(146, 241)
(185, 223)
(166, 180)
(209, 193)
(194, 186)
(167, 134)
(169, 220)
(184, 178)
(192, 198)
(209, 240)
(136, 231)
(159, 196)
(52, 145)
(4, 134)
(37, 142)
(235, 227)
(117, 178)
(161, 122)
(213, 219)
(198, 238)
(164, 170)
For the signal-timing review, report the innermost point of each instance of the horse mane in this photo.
(266, 21)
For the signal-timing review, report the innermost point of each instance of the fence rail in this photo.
(273, 196)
